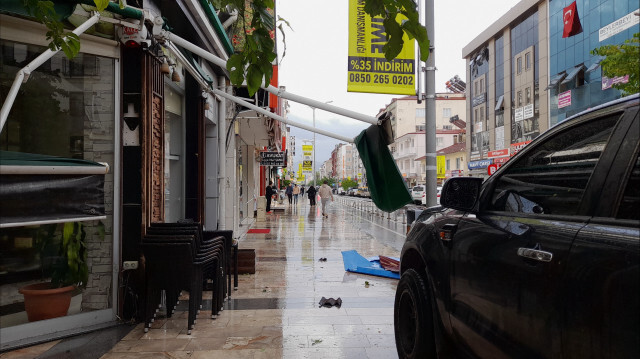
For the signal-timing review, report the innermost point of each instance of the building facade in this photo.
(523, 76)
(173, 150)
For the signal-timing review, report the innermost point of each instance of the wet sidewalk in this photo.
(275, 312)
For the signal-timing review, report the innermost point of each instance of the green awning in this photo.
(386, 185)
(189, 56)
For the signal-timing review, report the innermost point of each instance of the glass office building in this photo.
(576, 80)
(525, 77)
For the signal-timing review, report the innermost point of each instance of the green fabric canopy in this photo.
(386, 185)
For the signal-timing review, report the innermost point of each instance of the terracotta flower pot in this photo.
(43, 302)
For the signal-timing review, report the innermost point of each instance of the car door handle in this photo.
(535, 254)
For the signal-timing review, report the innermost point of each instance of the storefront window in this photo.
(65, 109)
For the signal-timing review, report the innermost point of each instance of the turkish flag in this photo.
(571, 21)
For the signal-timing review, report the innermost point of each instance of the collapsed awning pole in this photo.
(280, 118)
(169, 36)
(23, 74)
(187, 65)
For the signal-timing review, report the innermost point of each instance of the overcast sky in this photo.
(315, 63)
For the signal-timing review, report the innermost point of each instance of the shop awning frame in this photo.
(23, 74)
(573, 73)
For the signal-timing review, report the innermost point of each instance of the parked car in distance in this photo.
(352, 191)
(363, 192)
(424, 196)
(540, 260)
(416, 193)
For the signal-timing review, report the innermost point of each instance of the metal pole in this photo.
(314, 147)
(23, 74)
(430, 111)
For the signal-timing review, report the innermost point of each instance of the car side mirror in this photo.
(461, 193)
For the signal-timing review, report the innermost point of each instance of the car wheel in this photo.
(413, 318)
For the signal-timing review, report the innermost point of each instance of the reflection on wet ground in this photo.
(275, 312)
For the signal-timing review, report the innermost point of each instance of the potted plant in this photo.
(64, 259)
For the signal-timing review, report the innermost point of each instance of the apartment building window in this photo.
(448, 165)
(527, 95)
(420, 112)
(439, 141)
(481, 85)
(447, 127)
(527, 61)
(519, 64)
(420, 128)
(446, 112)
(519, 98)
(475, 115)
(457, 163)
(482, 114)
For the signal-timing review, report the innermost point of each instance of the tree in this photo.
(254, 62)
(622, 60)
(349, 183)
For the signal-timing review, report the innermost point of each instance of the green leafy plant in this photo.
(349, 183)
(64, 253)
(622, 60)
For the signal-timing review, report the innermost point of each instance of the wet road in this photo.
(275, 312)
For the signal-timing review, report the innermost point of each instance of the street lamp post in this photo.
(314, 142)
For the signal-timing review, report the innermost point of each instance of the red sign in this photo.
(564, 99)
(492, 168)
(515, 147)
(499, 153)
(501, 160)
(571, 21)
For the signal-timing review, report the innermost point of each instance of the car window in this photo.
(418, 188)
(551, 178)
(630, 203)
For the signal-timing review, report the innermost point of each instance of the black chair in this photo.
(231, 249)
(177, 258)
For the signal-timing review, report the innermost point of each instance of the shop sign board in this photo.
(479, 164)
(519, 115)
(272, 158)
(441, 166)
(515, 147)
(564, 99)
(608, 83)
(618, 25)
(501, 160)
(492, 168)
(367, 68)
(498, 153)
(528, 111)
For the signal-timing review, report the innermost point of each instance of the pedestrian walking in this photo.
(311, 193)
(296, 192)
(302, 190)
(325, 196)
(289, 192)
(269, 195)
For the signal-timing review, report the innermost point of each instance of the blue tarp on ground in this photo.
(354, 262)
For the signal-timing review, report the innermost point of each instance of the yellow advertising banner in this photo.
(442, 168)
(307, 148)
(367, 69)
(306, 165)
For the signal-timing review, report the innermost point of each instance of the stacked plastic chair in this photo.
(178, 257)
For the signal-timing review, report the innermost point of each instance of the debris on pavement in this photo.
(390, 264)
(324, 302)
(323, 259)
(354, 262)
